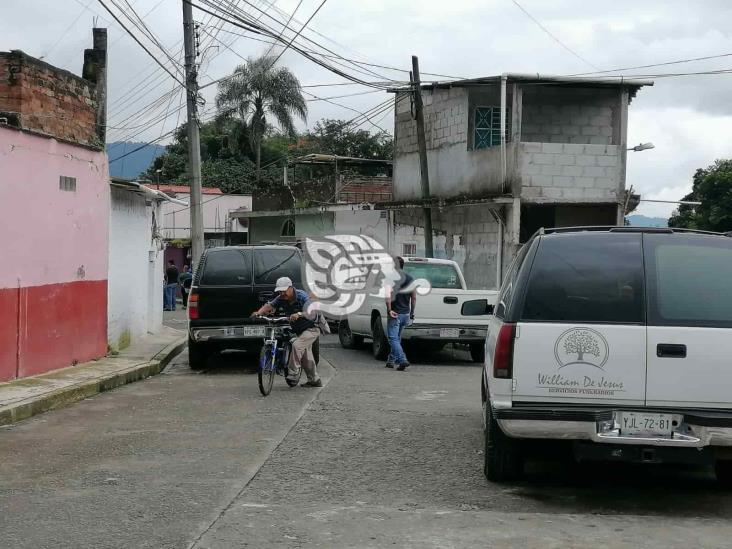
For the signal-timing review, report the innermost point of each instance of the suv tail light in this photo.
(193, 305)
(503, 356)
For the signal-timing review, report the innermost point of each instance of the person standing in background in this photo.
(171, 286)
(400, 306)
(185, 280)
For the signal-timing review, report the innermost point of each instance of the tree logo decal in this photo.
(581, 346)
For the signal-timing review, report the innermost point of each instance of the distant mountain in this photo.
(643, 221)
(133, 164)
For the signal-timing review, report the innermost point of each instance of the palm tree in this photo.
(257, 90)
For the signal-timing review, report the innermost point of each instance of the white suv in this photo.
(618, 340)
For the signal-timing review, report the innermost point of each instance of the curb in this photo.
(87, 388)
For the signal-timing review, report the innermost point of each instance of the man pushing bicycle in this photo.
(294, 303)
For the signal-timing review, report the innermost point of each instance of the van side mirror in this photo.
(476, 307)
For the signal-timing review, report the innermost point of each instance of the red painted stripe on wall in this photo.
(56, 325)
(8, 333)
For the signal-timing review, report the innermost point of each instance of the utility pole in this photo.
(422, 141)
(194, 141)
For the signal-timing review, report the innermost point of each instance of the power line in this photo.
(286, 24)
(63, 35)
(257, 28)
(287, 47)
(557, 40)
(676, 62)
(134, 37)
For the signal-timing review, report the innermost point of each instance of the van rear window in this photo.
(689, 280)
(227, 268)
(270, 264)
(586, 277)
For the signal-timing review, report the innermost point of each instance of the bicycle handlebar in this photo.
(272, 320)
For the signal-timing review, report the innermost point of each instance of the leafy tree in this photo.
(713, 188)
(581, 343)
(256, 91)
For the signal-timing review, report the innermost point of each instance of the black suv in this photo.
(230, 283)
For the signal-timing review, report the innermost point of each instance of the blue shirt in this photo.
(298, 305)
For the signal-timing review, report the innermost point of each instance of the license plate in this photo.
(252, 331)
(637, 424)
(449, 332)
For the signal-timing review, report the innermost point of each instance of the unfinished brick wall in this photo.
(568, 171)
(445, 120)
(38, 97)
(569, 116)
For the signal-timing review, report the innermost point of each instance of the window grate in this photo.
(488, 127)
(67, 183)
(409, 249)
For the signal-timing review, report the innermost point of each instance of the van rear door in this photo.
(689, 320)
(581, 334)
(225, 293)
(271, 264)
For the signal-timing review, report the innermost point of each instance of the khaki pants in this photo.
(302, 354)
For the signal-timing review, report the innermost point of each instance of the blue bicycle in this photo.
(275, 353)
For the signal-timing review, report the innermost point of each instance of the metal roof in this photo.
(537, 78)
(333, 158)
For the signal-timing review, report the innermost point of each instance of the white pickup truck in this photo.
(449, 313)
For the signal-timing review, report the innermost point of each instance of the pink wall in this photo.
(54, 247)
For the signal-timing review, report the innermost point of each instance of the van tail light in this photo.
(503, 356)
(193, 305)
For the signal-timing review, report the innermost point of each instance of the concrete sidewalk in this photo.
(26, 397)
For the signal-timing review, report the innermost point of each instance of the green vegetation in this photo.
(713, 188)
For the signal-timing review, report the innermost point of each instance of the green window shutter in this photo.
(488, 127)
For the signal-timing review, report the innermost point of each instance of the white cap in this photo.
(283, 283)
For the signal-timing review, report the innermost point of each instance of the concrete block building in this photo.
(507, 155)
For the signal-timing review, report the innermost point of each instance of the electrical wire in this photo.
(134, 37)
(557, 40)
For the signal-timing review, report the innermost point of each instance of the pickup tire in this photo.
(379, 345)
(723, 469)
(197, 355)
(502, 457)
(346, 337)
(477, 352)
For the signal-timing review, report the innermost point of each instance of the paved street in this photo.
(377, 458)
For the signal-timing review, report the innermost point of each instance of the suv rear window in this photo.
(586, 277)
(227, 268)
(689, 280)
(270, 264)
(438, 275)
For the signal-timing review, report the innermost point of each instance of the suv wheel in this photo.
(723, 468)
(380, 345)
(197, 355)
(502, 457)
(346, 337)
(477, 352)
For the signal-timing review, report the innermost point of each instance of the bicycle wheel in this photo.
(266, 371)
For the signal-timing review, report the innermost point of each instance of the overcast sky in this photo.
(688, 118)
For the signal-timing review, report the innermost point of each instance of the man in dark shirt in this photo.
(400, 304)
(294, 303)
(171, 286)
(185, 279)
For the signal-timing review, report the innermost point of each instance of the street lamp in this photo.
(157, 173)
(642, 147)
